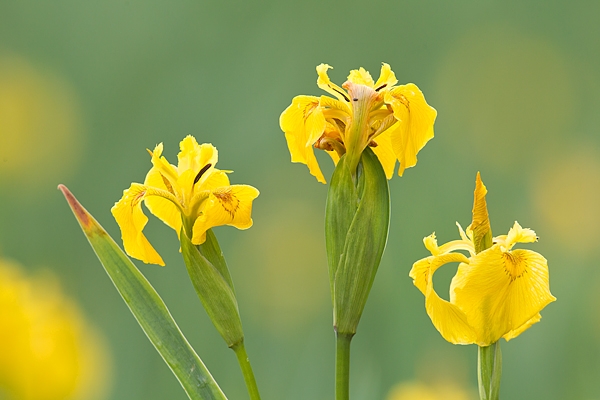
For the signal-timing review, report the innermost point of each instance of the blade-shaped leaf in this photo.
(148, 309)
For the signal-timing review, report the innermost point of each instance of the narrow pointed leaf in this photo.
(148, 309)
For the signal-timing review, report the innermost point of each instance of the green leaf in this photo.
(148, 309)
(357, 223)
(214, 291)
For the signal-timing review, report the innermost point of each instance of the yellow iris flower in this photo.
(395, 121)
(193, 195)
(498, 292)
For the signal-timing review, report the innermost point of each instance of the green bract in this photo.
(210, 276)
(356, 229)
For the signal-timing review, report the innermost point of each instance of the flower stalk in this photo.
(342, 365)
(489, 371)
(246, 367)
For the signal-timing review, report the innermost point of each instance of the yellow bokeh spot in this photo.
(437, 391)
(288, 274)
(506, 95)
(47, 350)
(40, 130)
(566, 198)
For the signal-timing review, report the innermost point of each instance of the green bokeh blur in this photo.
(517, 89)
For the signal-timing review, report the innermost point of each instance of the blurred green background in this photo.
(86, 87)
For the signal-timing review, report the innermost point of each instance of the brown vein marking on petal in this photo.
(514, 266)
(137, 198)
(402, 99)
(167, 184)
(228, 200)
(308, 109)
(202, 171)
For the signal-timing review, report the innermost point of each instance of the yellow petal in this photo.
(304, 155)
(217, 178)
(361, 77)
(303, 123)
(517, 234)
(500, 291)
(230, 205)
(385, 153)
(325, 84)
(415, 123)
(447, 318)
(386, 77)
(304, 119)
(161, 164)
(162, 208)
(195, 163)
(516, 332)
(131, 219)
(193, 156)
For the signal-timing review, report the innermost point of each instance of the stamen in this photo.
(381, 87)
(202, 171)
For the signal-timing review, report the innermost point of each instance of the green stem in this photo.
(242, 356)
(489, 371)
(342, 366)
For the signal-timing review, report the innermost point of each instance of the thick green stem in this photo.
(489, 371)
(242, 356)
(342, 366)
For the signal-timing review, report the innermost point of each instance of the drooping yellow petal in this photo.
(385, 153)
(304, 155)
(229, 205)
(500, 291)
(415, 123)
(361, 76)
(131, 219)
(324, 83)
(447, 318)
(386, 77)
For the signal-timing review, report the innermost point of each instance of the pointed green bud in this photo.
(211, 279)
(356, 230)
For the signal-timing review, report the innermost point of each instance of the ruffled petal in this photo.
(131, 220)
(361, 77)
(229, 205)
(386, 77)
(500, 291)
(193, 156)
(415, 123)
